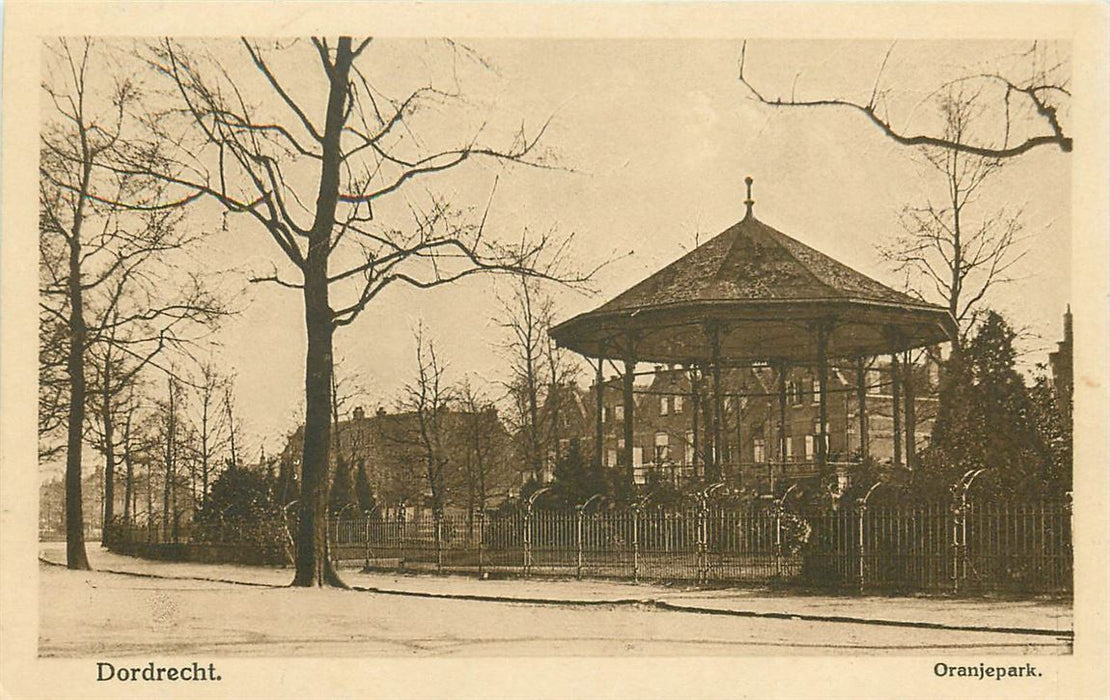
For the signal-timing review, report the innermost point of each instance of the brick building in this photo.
(671, 419)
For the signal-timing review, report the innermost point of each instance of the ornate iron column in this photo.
(629, 411)
(695, 409)
(896, 408)
(599, 426)
(861, 397)
(823, 412)
(781, 369)
(716, 453)
(911, 411)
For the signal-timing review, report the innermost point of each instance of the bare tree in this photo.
(53, 408)
(1031, 92)
(315, 177)
(562, 374)
(129, 408)
(347, 444)
(214, 424)
(428, 397)
(527, 315)
(103, 233)
(947, 251)
(172, 427)
(484, 460)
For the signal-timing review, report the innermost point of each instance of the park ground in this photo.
(134, 607)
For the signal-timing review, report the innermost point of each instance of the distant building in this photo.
(471, 457)
(1060, 363)
(671, 433)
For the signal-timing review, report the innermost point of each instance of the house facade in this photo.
(672, 418)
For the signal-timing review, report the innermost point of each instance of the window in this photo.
(816, 386)
(790, 448)
(664, 405)
(619, 411)
(809, 447)
(662, 448)
(760, 455)
(689, 447)
(795, 392)
(620, 444)
(611, 458)
(637, 457)
(677, 404)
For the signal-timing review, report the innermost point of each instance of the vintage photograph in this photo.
(344, 312)
(433, 346)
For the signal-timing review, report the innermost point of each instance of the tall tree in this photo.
(314, 165)
(562, 375)
(948, 249)
(105, 242)
(427, 398)
(986, 416)
(527, 314)
(213, 423)
(485, 461)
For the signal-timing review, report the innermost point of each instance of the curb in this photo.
(635, 602)
(677, 607)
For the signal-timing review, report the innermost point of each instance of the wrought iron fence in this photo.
(961, 546)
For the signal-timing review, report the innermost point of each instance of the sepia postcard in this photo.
(554, 350)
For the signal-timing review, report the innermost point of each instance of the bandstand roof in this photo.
(766, 293)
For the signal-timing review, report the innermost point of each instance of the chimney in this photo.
(749, 202)
(359, 413)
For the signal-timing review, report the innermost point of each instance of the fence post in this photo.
(636, 542)
(481, 536)
(366, 533)
(958, 528)
(527, 537)
(703, 539)
(778, 539)
(862, 515)
(861, 540)
(578, 515)
(438, 534)
(401, 536)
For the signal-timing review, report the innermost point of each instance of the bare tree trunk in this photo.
(149, 491)
(167, 487)
(231, 428)
(129, 468)
(76, 558)
(204, 458)
(313, 566)
(109, 447)
(533, 426)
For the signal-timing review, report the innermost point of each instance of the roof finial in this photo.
(749, 202)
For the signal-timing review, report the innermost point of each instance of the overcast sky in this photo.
(655, 138)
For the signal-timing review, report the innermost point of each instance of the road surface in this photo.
(101, 614)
